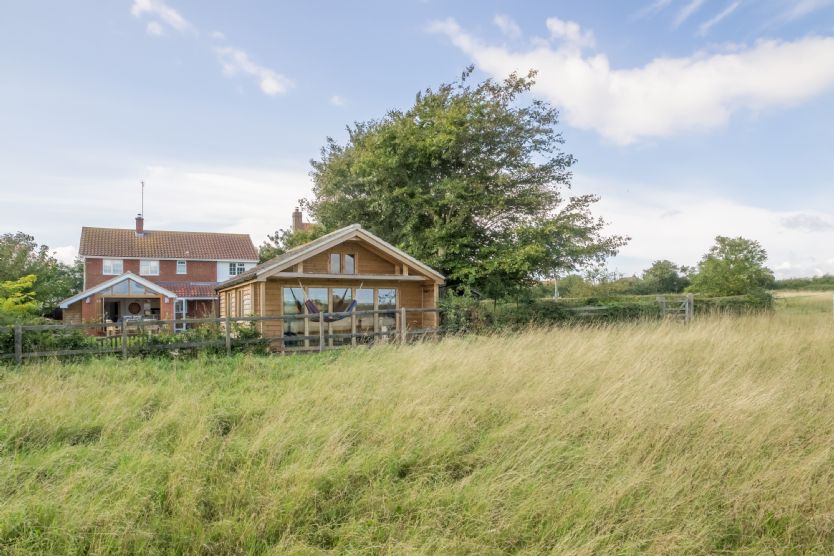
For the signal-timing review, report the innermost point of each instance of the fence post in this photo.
(228, 336)
(690, 309)
(352, 328)
(18, 344)
(403, 326)
(124, 339)
(321, 331)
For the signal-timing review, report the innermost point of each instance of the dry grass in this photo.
(712, 438)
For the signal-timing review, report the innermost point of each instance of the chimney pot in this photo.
(140, 225)
(297, 222)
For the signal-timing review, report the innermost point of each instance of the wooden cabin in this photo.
(350, 272)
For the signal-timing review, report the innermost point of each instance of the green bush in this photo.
(757, 302)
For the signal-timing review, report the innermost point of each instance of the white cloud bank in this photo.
(665, 96)
(681, 226)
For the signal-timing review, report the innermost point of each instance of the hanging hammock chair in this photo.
(313, 309)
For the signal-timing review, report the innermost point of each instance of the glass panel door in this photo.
(180, 312)
(387, 301)
(364, 302)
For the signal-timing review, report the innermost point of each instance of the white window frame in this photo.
(112, 264)
(184, 267)
(236, 269)
(149, 272)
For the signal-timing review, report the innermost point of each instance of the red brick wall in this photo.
(198, 271)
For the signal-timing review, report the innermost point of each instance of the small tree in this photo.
(17, 299)
(733, 266)
(664, 277)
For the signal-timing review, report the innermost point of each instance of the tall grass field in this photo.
(717, 437)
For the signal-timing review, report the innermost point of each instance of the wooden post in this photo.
(403, 326)
(321, 331)
(18, 344)
(690, 309)
(124, 338)
(228, 336)
(352, 329)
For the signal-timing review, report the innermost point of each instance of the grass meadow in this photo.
(716, 437)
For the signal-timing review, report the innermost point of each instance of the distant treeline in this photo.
(819, 283)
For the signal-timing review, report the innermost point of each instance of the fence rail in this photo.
(144, 336)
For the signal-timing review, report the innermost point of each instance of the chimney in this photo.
(140, 225)
(297, 221)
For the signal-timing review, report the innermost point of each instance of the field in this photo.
(717, 437)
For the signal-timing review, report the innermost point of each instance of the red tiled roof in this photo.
(191, 289)
(160, 244)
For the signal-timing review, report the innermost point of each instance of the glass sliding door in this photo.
(293, 304)
(320, 297)
(387, 302)
(180, 312)
(341, 298)
(365, 302)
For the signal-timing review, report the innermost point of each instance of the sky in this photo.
(689, 118)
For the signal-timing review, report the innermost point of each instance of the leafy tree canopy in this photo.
(665, 277)
(284, 239)
(471, 180)
(21, 256)
(733, 266)
(17, 298)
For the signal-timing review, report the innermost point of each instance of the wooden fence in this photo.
(144, 336)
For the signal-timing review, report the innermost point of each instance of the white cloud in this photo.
(235, 61)
(337, 100)
(798, 9)
(705, 27)
(161, 11)
(687, 11)
(681, 226)
(154, 28)
(667, 95)
(654, 7)
(509, 27)
(217, 35)
(570, 32)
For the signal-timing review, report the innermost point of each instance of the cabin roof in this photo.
(302, 252)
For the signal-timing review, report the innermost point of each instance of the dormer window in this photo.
(342, 263)
(182, 267)
(149, 268)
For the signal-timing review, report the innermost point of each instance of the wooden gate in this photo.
(677, 309)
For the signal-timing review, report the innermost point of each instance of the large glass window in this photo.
(387, 301)
(149, 268)
(319, 297)
(122, 288)
(293, 305)
(112, 267)
(350, 264)
(341, 299)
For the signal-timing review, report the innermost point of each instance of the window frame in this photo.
(352, 263)
(112, 272)
(337, 259)
(184, 266)
(236, 268)
(149, 262)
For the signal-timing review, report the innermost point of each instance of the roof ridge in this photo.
(165, 231)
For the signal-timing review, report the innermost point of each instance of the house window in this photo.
(350, 264)
(387, 301)
(182, 267)
(149, 268)
(236, 268)
(112, 267)
(335, 263)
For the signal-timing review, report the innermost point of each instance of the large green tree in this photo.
(471, 179)
(664, 277)
(733, 266)
(21, 255)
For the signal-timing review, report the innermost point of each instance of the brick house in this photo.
(154, 274)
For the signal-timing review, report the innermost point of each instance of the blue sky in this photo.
(691, 118)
